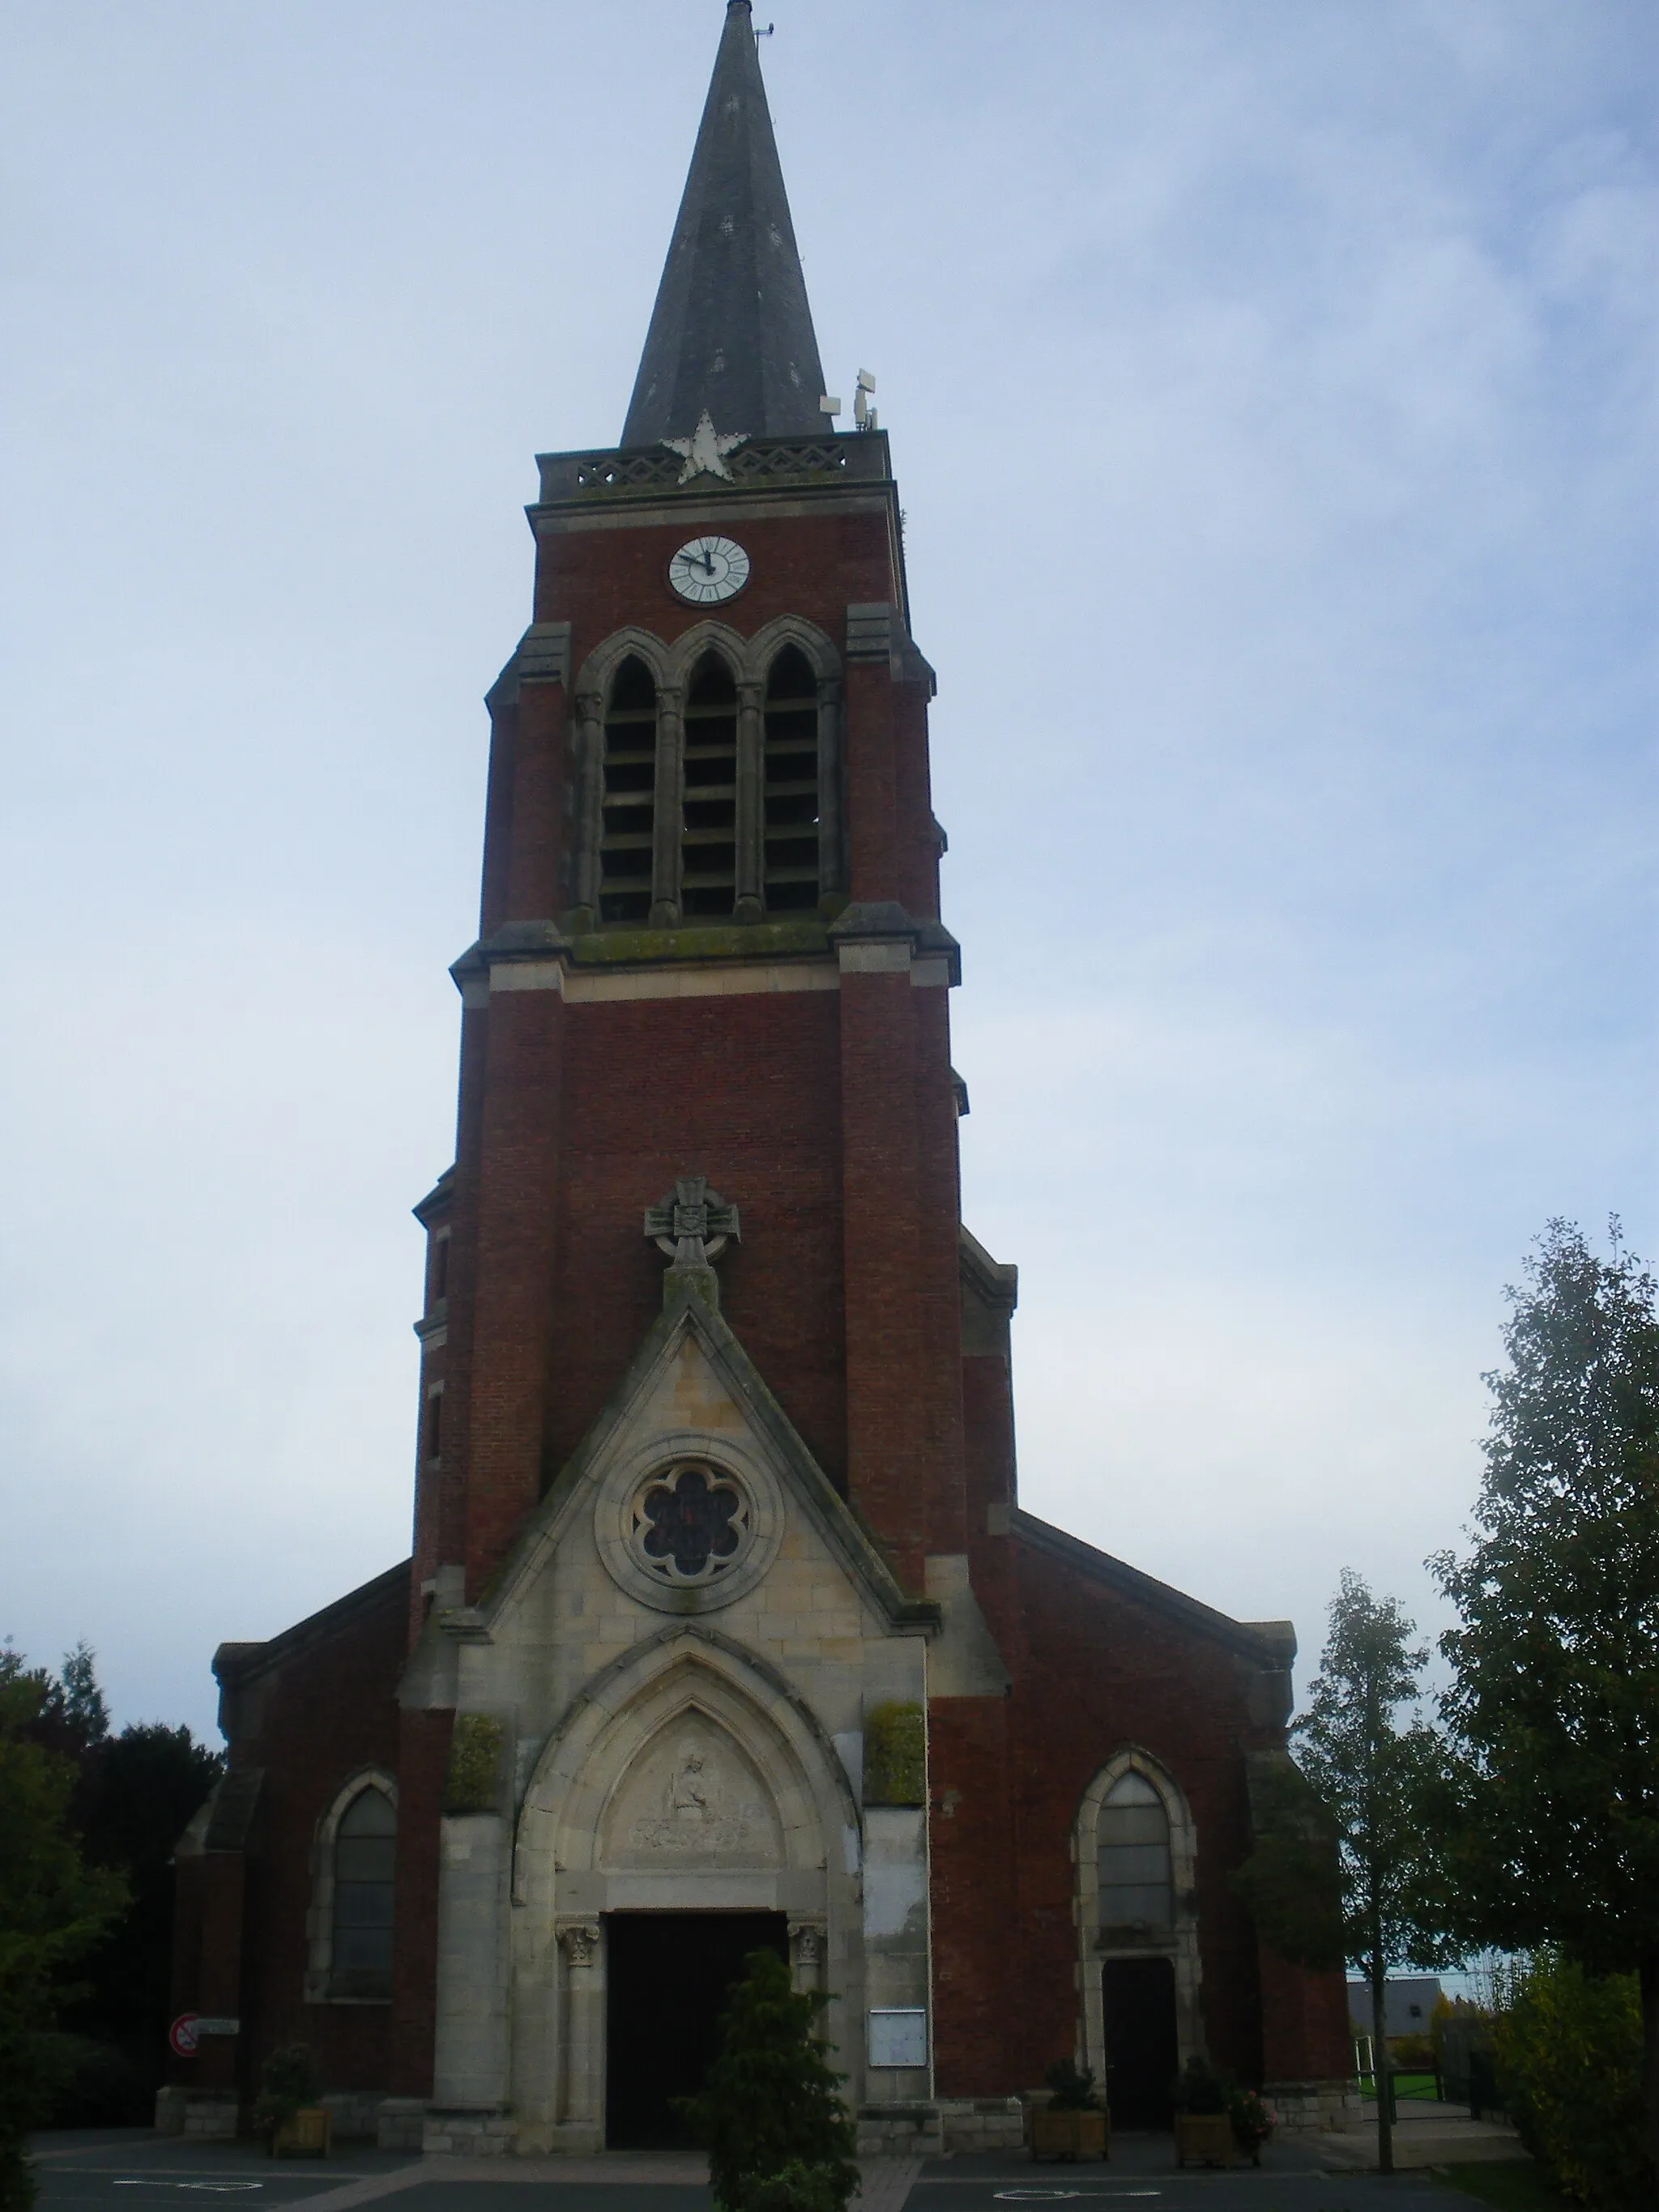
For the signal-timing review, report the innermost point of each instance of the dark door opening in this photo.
(666, 1978)
(1142, 2056)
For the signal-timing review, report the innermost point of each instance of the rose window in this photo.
(689, 1524)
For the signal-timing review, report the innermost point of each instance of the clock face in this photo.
(708, 569)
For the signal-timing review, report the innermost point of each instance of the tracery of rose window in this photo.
(689, 1524)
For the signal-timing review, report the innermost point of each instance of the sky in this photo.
(1271, 389)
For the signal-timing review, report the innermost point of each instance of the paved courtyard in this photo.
(118, 2171)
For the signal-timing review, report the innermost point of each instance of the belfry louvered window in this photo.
(1137, 1886)
(790, 785)
(708, 871)
(364, 1863)
(629, 802)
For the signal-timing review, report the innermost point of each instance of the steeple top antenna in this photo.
(731, 333)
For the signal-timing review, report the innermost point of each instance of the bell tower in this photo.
(724, 1627)
(710, 942)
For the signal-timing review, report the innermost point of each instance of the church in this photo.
(725, 1627)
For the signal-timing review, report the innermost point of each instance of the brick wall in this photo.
(321, 1708)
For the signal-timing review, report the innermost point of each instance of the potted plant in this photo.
(1074, 2124)
(1253, 2121)
(288, 2112)
(1204, 2128)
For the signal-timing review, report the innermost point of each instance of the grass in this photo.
(1417, 2087)
(1509, 2185)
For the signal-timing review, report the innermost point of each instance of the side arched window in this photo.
(708, 878)
(1137, 1885)
(790, 785)
(365, 1854)
(629, 822)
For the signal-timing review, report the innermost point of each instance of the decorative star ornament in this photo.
(705, 451)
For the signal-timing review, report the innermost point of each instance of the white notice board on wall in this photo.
(898, 2037)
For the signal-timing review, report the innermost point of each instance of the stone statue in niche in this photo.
(693, 1799)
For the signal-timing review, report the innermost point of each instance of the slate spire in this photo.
(732, 332)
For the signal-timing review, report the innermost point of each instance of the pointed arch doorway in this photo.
(1142, 2057)
(668, 1980)
(696, 1796)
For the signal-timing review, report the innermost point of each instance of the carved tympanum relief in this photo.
(692, 1799)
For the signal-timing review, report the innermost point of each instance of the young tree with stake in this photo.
(1376, 1781)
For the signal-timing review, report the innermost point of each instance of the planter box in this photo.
(1206, 2139)
(1068, 2135)
(308, 2134)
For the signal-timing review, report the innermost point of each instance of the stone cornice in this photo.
(997, 1281)
(546, 955)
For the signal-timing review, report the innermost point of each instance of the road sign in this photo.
(182, 2034)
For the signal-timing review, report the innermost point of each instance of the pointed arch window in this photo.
(710, 779)
(708, 872)
(629, 802)
(365, 1855)
(790, 797)
(1137, 1879)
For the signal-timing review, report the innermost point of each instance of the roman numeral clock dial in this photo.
(708, 569)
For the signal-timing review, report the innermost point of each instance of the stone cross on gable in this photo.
(694, 1225)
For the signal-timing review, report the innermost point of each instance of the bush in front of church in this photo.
(779, 2138)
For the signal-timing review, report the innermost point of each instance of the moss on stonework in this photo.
(894, 1755)
(730, 940)
(474, 1758)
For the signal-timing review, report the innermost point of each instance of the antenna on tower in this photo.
(863, 413)
(764, 31)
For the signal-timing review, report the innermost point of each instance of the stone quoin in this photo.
(724, 1626)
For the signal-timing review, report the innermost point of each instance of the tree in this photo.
(53, 1908)
(1554, 1703)
(772, 2103)
(1377, 1783)
(1292, 1882)
(134, 1795)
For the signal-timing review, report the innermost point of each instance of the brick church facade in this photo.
(725, 1625)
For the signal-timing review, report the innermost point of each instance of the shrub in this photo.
(1569, 2052)
(1073, 2087)
(288, 2081)
(771, 2116)
(796, 2187)
(1200, 2089)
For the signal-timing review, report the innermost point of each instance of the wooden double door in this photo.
(1143, 2058)
(667, 1976)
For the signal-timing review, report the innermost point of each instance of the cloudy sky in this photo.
(1271, 388)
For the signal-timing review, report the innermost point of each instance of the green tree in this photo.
(53, 1908)
(772, 2105)
(1291, 1882)
(134, 1795)
(1554, 1703)
(1378, 1781)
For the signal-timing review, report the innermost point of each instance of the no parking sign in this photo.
(182, 2034)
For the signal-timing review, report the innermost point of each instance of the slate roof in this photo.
(732, 331)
